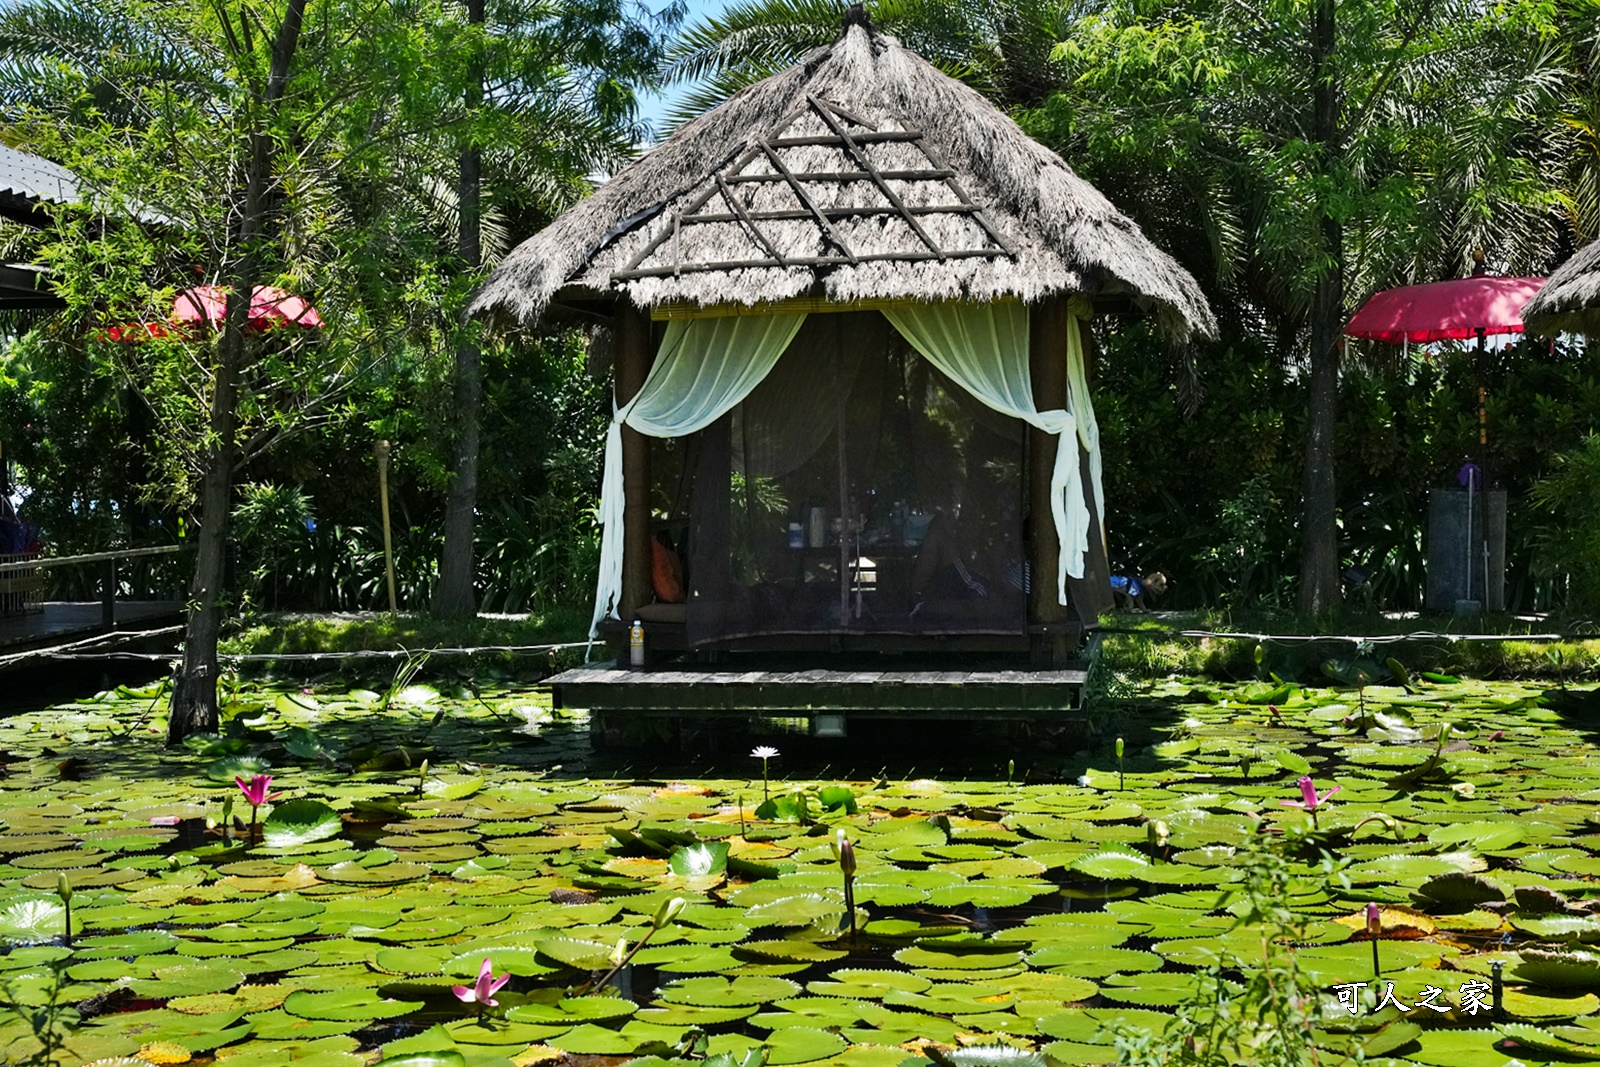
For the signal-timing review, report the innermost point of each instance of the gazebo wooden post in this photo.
(1047, 363)
(635, 353)
(1091, 594)
(1049, 621)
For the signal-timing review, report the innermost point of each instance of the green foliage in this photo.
(1568, 538)
(1271, 1020)
(1223, 529)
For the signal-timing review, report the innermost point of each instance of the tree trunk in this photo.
(1319, 540)
(194, 693)
(454, 596)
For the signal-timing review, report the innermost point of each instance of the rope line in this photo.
(63, 652)
(1376, 639)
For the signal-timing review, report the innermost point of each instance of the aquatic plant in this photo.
(764, 753)
(482, 991)
(255, 793)
(1310, 800)
(1374, 931)
(845, 853)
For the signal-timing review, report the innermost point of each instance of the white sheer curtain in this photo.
(704, 368)
(984, 348)
(1081, 406)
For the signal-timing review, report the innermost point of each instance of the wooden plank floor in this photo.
(860, 694)
(65, 620)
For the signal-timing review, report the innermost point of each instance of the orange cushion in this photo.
(666, 573)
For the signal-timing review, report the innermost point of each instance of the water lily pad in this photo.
(228, 768)
(796, 910)
(699, 861)
(573, 1010)
(188, 979)
(716, 992)
(247, 998)
(299, 822)
(346, 1005)
(799, 1044)
(389, 874)
(32, 920)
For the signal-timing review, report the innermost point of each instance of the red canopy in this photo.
(1445, 311)
(270, 307)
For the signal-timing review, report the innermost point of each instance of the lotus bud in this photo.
(619, 953)
(1157, 833)
(63, 886)
(1119, 748)
(668, 911)
(847, 855)
(1444, 732)
(1374, 920)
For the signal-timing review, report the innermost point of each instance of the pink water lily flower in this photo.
(1308, 791)
(255, 790)
(483, 990)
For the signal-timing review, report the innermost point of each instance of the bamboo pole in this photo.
(382, 451)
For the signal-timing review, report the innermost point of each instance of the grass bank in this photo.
(1150, 646)
(344, 639)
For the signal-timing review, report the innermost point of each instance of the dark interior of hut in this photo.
(856, 490)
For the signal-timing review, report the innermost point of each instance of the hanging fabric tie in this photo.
(984, 348)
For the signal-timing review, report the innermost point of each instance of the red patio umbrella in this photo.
(1475, 306)
(1455, 310)
(270, 308)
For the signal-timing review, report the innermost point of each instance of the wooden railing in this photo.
(108, 572)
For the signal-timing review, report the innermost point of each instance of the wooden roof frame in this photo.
(851, 144)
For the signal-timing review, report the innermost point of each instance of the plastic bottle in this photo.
(636, 644)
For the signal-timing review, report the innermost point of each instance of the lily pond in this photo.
(1232, 871)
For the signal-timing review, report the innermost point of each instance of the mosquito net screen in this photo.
(855, 490)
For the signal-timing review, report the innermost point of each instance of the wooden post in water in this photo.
(381, 449)
(635, 352)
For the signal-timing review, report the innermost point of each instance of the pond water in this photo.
(1084, 893)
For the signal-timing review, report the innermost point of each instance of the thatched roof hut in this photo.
(1570, 299)
(934, 194)
(935, 404)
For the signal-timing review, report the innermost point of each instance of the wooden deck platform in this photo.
(862, 694)
(65, 621)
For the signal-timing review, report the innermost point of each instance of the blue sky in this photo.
(656, 106)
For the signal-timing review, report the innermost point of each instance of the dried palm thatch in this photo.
(1570, 299)
(860, 174)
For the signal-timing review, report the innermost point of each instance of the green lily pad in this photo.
(346, 1005)
(228, 768)
(699, 861)
(300, 822)
(189, 979)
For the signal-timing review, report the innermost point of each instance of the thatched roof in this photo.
(1570, 299)
(861, 173)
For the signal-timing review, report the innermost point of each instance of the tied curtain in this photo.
(704, 368)
(984, 349)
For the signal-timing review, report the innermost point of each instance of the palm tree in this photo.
(1293, 157)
